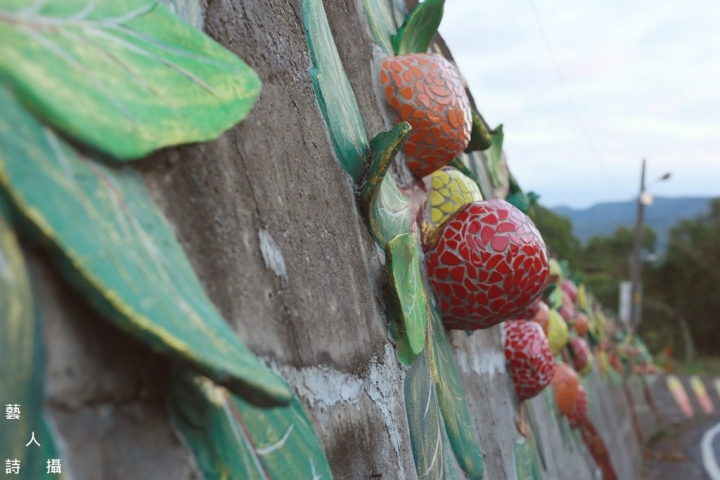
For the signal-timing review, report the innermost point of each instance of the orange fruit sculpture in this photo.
(579, 413)
(581, 324)
(425, 90)
(565, 383)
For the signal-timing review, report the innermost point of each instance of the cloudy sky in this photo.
(587, 89)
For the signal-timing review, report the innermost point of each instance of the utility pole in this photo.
(637, 252)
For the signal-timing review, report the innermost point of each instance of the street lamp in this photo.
(645, 199)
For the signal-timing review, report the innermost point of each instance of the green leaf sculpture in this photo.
(114, 244)
(419, 28)
(21, 362)
(451, 398)
(526, 464)
(406, 296)
(424, 421)
(126, 77)
(380, 19)
(390, 212)
(433, 389)
(480, 136)
(494, 156)
(334, 93)
(234, 439)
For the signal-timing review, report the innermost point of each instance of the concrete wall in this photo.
(269, 221)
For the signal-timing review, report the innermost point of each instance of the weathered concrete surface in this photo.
(105, 392)
(268, 219)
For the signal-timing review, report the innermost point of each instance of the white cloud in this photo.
(643, 76)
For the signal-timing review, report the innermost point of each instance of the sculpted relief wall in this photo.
(289, 247)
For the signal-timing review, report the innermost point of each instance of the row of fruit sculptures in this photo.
(127, 78)
(453, 259)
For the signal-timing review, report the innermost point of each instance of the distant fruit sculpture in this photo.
(542, 316)
(528, 354)
(557, 331)
(565, 383)
(579, 413)
(425, 90)
(581, 324)
(489, 264)
(569, 287)
(581, 354)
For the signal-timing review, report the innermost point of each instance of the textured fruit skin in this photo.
(489, 265)
(579, 413)
(426, 91)
(449, 191)
(529, 357)
(581, 324)
(581, 353)
(565, 383)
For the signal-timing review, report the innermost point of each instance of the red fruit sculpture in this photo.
(569, 287)
(567, 313)
(579, 413)
(489, 264)
(581, 324)
(426, 91)
(565, 382)
(581, 353)
(542, 317)
(529, 356)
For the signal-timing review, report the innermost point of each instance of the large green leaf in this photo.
(115, 245)
(127, 77)
(334, 93)
(234, 439)
(390, 212)
(451, 398)
(419, 28)
(380, 18)
(21, 364)
(424, 421)
(406, 296)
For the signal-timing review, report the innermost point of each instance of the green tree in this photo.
(688, 281)
(556, 230)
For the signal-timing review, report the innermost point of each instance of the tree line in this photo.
(681, 287)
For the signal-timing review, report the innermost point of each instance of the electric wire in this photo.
(573, 107)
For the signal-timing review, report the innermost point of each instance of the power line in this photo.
(571, 101)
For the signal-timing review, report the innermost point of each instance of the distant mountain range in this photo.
(604, 218)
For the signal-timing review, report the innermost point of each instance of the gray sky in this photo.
(643, 76)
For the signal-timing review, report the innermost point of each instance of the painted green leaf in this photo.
(127, 77)
(234, 439)
(480, 137)
(406, 296)
(334, 93)
(494, 157)
(380, 18)
(424, 421)
(390, 212)
(114, 244)
(526, 464)
(460, 165)
(451, 398)
(21, 364)
(384, 147)
(419, 28)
